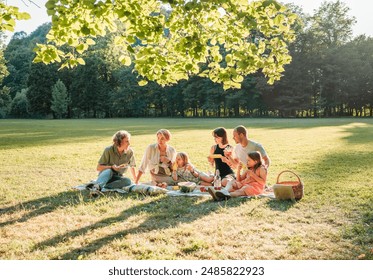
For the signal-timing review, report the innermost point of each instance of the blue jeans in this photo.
(111, 180)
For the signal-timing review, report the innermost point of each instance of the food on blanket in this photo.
(186, 187)
(215, 156)
(162, 185)
(175, 188)
(203, 189)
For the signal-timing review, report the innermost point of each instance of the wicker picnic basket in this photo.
(296, 187)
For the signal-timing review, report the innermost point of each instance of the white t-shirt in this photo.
(241, 152)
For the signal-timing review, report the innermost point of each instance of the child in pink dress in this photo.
(250, 183)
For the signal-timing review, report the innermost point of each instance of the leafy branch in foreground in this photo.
(224, 40)
(9, 15)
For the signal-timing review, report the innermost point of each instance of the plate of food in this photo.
(186, 187)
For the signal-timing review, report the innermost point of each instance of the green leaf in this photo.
(50, 4)
(140, 35)
(23, 16)
(81, 61)
(85, 30)
(51, 12)
(126, 60)
(143, 83)
(130, 49)
(228, 58)
(238, 79)
(80, 48)
(188, 67)
(90, 42)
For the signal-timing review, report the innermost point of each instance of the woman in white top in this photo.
(159, 158)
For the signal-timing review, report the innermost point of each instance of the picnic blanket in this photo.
(147, 189)
(84, 187)
(140, 188)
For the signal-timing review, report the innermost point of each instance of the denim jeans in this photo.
(111, 180)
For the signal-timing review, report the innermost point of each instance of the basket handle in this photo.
(278, 176)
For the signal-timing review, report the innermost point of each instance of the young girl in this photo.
(184, 171)
(250, 183)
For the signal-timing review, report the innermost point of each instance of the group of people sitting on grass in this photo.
(168, 167)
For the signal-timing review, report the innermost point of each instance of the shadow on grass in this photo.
(184, 210)
(280, 205)
(41, 206)
(360, 134)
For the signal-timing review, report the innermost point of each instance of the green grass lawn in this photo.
(42, 218)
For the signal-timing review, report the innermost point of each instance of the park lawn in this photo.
(42, 218)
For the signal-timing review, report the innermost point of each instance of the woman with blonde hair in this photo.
(158, 159)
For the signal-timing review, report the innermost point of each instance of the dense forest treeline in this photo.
(331, 74)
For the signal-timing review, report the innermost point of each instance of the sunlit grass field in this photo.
(42, 218)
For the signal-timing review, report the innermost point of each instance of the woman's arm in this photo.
(133, 172)
(211, 160)
(139, 174)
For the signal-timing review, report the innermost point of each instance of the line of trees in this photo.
(331, 74)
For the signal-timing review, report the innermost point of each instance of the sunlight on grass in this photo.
(42, 218)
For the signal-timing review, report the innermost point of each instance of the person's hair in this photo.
(166, 133)
(221, 132)
(256, 156)
(183, 156)
(241, 130)
(119, 136)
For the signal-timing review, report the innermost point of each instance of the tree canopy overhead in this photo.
(171, 40)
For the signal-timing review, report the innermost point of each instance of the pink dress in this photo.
(250, 186)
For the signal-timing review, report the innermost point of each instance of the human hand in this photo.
(225, 160)
(164, 159)
(115, 167)
(210, 160)
(189, 167)
(228, 151)
(239, 167)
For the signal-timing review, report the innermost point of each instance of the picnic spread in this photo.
(148, 189)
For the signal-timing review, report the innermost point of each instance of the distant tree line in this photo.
(331, 74)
